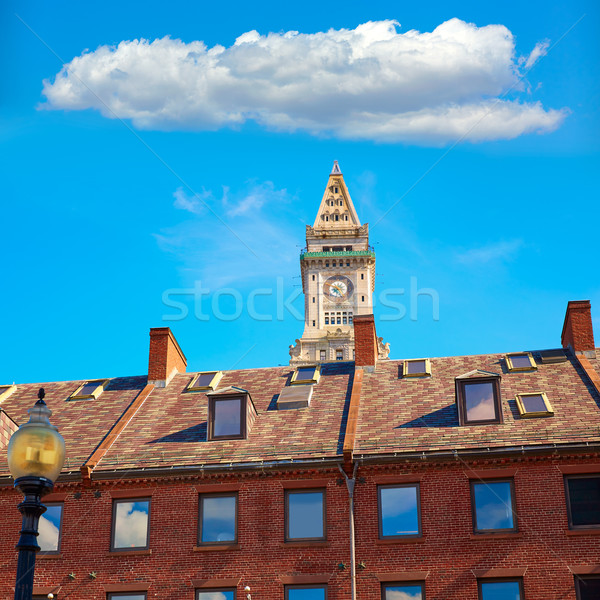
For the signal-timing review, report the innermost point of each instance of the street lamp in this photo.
(36, 453)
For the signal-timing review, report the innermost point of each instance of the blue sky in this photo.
(474, 163)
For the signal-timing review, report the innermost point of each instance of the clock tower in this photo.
(338, 278)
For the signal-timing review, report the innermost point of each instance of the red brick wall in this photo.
(165, 355)
(448, 550)
(577, 329)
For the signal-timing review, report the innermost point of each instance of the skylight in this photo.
(205, 380)
(6, 391)
(534, 405)
(307, 374)
(522, 361)
(89, 389)
(416, 368)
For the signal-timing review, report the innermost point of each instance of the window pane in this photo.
(501, 590)
(479, 401)
(305, 373)
(204, 379)
(493, 505)
(227, 417)
(219, 595)
(415, 366)
(131, 524)
(584, 496)
(306, 593)
(218, 518)
(305, 515)
(589, 588)
(88, 388)
(49, 528)
(534, 403)
(399, 510)
(403, 592)
(520, 361)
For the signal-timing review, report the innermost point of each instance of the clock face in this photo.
(338, 288)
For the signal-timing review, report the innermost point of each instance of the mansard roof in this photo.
(140, 428)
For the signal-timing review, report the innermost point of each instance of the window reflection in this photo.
(49, 528)
(216, 595)
(305, 515)
(399, 510)
(130, 527)
(218, 518)
(501, 590)
(314, 592)
(403, 592)
(493, 505)
(227, 418)
(479, 401)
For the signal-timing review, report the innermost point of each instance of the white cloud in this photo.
(539, 50)
(255, 237)
(371, 82)
(499, 251)
(194, 204)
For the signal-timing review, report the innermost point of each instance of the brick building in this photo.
(456, 478)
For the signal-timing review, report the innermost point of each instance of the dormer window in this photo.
(205, 380)
(522, 361)
(308, 374)
(416, 368)
(231, 414)
(478, 398)
(534, 405)
(89, 389)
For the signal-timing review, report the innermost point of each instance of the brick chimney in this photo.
(365, 341)
(166, 358)
(577, 332)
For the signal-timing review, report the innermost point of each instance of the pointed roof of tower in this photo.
(336, 210)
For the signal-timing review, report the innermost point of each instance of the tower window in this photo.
(313, 299)
(363, 298)
(339, 355)
(314, 323)
(326, 264)
(337, 217)
(334, 263)
(350, 318)
(362, 275)
(313, 277)
(344, 320)
(345, 217)
(336, 190)
(326, 320)
(323, 355)
(347, 263)
(326, 217)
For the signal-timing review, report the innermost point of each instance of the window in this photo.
(344, 319)
(226, 418)
(89, 389)
(520, 362)
(350, 318)
(308, 374)
(363, 298)
(416, 368)
(339, 355)
(337, 217)
(339, 319)
(588, 588)
(333, 263)
(305, 592)
(216, 594)
(553, 356)
(323, 355)
(347, 263)
(403, 591)
(493, 506)
(326, 320)
(313, 277)
(534, 405)
(205, 380)
(583, 501)
(50, 528)
(304, 515)
(313, 299)
(491, 589)
(479, 400)
(6, 391)
(336, 190)
(128, 596)
(217, 519)
(399, 510)
(314, 323)
(326, 264)
(130, 524)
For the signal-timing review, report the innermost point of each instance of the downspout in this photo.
(350, 482)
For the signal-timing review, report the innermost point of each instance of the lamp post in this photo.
(36, 453)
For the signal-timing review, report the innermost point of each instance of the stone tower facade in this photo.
(338, 278)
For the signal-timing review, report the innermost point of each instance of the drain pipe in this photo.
(350, 486)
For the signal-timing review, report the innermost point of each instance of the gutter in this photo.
(350, 483)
